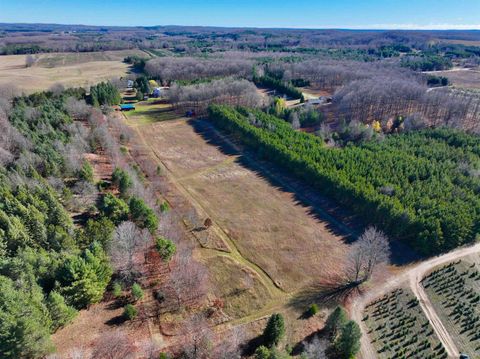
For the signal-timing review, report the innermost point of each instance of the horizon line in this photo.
(374, 27)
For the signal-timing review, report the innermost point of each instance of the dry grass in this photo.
(70, 70)
(469, 79)
(265, 223)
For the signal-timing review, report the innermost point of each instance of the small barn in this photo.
(127, 107)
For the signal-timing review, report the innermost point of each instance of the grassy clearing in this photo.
(240, 288)
(469, 79)
(72, 58)
(399, 329)
(265, 222)
(42, 76)
(454, 290)
(151, 111)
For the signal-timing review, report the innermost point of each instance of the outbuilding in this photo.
(127, 107)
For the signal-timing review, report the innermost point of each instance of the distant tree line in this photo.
(280, 86)
(169, 69)
(224, 91)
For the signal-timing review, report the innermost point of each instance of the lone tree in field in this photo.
(370, 250)
(274, 331)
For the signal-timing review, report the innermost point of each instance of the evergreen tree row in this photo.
(420, 187)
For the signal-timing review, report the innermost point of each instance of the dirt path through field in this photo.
(411, 275)
(272, 287)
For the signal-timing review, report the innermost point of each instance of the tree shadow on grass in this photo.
(249, 348)
(116, 321)
(328, 293)
(339, 220)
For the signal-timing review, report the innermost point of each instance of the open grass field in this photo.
(68, 69)
(147, 112)
(265, 223)
(454, 291)
(462, 78)
(399, 329)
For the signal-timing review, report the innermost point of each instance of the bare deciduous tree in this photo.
(116, 345)
(78, 109)
(169, 69)
(230, 344)
(198, 337)
(189, 278)
(127, 241)
(316, 349)
(371, 249)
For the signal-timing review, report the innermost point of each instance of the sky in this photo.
(351, 14)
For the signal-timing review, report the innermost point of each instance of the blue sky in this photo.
(405, 14)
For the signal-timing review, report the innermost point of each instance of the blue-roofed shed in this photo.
(127, 107)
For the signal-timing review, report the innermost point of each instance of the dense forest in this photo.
(50, 267)
(421, 187)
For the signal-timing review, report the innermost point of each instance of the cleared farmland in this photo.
(454, 291)
(70, 70)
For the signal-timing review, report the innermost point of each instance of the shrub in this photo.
(117, 290)
(122, 180)
(312, 310)
(143, 215)
(166, 248)
(86, 172)
(137, 291)
(130, 312)
(164, 207)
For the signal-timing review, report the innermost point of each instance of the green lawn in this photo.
(151, 111)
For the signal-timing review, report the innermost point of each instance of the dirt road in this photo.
(411, 275)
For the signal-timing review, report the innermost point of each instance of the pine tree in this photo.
(60, 312)
(335, 322)
(274, 331)
(348, 343)
(166, 248)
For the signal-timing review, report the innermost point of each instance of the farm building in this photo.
(127, 107)
(156, 92)
(322, 100)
